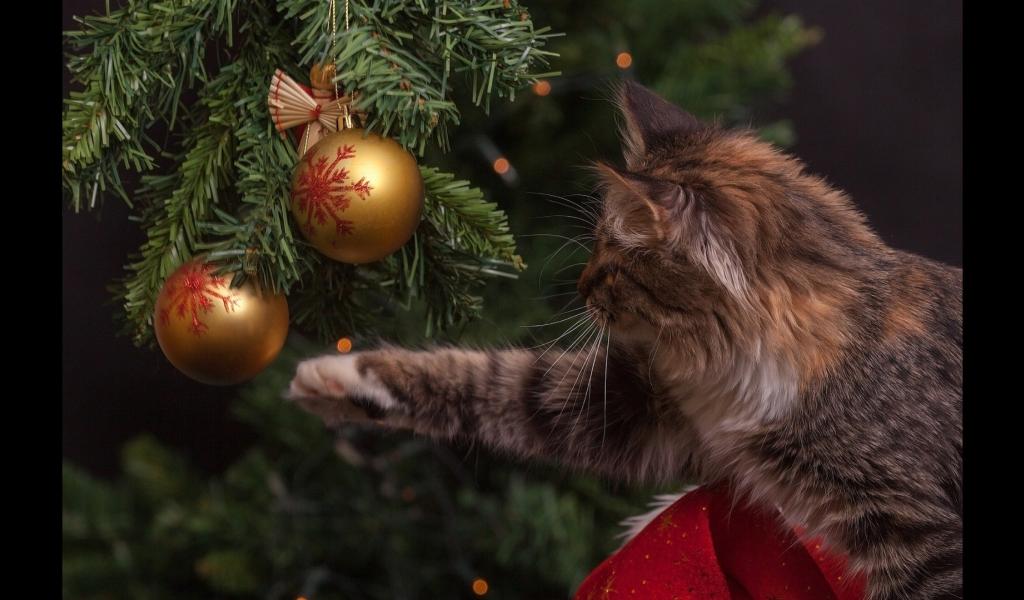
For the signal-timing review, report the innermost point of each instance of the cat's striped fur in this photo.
(744, 324)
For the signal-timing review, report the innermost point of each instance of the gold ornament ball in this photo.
(357, 199)
(214, 333)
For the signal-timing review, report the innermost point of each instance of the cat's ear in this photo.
(647, 119)
(643, 206)
(653, 213)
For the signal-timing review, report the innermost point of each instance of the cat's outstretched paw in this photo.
(334, 389)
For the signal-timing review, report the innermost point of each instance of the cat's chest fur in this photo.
(731, 401)
(729, 409)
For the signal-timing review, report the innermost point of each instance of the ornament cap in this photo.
(321, 76)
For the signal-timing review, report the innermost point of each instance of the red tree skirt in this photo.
(703, 547)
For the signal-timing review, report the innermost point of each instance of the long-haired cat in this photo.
(749, 328)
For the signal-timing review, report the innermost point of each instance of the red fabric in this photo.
(704, 547)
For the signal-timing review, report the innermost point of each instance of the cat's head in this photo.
(705, 224)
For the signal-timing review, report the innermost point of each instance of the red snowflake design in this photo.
(323, 191)
(191, 292)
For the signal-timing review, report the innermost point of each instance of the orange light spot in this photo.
(542, 88)
(344, 345)
(301, 598)
(501, 166)
(480, 587)
(623, 60)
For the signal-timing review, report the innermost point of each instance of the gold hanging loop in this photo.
(345, 120)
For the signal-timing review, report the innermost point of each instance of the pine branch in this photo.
(226, 192)
(134, 63)
(181, 200)
(401, 54)
(459, 214)
(263, 169)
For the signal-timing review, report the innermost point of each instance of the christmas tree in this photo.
(177, 93)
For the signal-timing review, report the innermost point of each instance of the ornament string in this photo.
(345, 120)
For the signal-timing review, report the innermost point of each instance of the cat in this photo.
(746, 325)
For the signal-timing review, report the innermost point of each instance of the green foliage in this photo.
(404, 54)
(219, 184)
(133, 64)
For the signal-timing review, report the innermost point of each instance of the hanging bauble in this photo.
(215, 333)
(357, 196)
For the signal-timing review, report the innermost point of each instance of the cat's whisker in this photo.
(567, 267)
(562, 315)
(540, 276)
(577, 312)
(592, 208)
(587, 224)
(575, 240)
(585, 335)
(579, 374)
(590, 375)
(564, 309)
(654, 352)
(568, 349)
(583, 321)
(572, 390)
(590, 378)
(581, 328)
(607, 351)
(586, 357)
(574, 217)
(592, 213)
(564, 306)
(556, 283)
(581, 229)
(550, 296)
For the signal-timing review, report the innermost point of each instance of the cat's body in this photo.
(743, 324)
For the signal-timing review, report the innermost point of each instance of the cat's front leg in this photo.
(573, 408)
(446, 393)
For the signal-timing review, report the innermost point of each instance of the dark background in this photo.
(877, 109)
